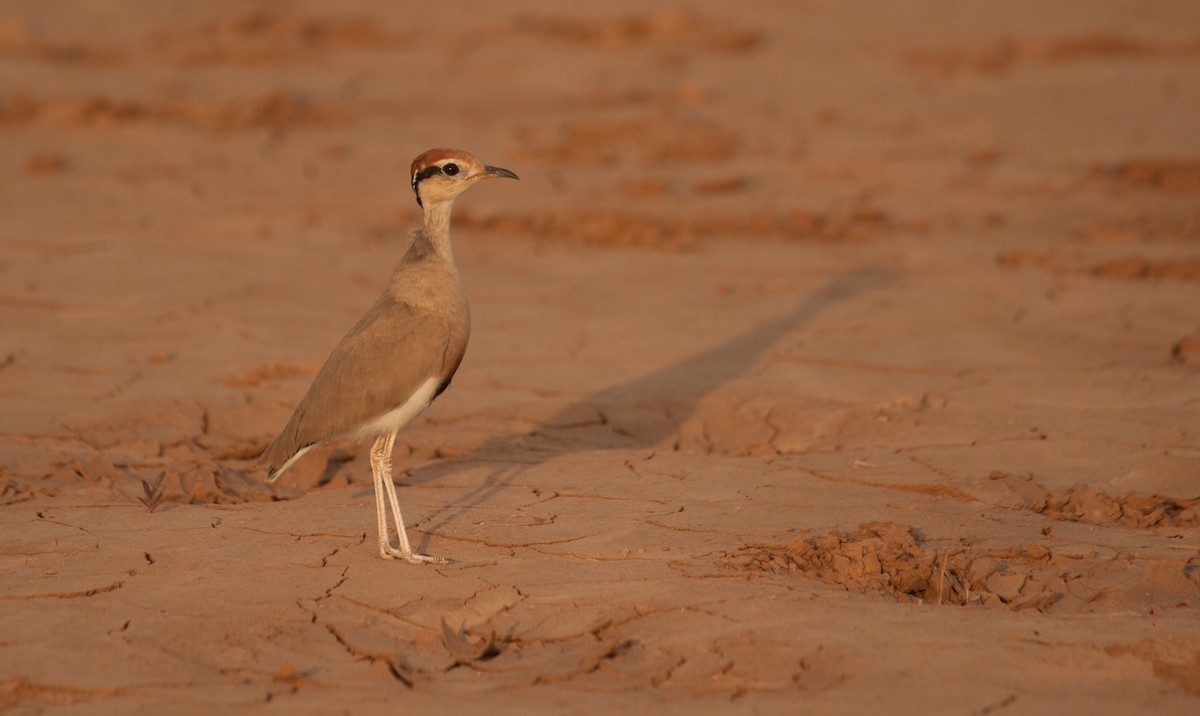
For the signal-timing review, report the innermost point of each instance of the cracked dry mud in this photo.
(825, 359)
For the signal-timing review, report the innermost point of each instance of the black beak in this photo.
(499, 172)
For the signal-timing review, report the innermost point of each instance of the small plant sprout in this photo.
(153, 494)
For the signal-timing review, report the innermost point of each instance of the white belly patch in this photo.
(402, 414)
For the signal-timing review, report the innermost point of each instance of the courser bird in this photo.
(401, 354)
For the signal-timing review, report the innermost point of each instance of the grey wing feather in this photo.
(391, 351)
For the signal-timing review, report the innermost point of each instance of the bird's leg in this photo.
(405, 552)
(377, 471)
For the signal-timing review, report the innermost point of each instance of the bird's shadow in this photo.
(662, 401)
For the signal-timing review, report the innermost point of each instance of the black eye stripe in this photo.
(424, 174)
(421, 176)
(449, 169)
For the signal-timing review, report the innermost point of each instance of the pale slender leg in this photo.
(381, 466)
(380, 514)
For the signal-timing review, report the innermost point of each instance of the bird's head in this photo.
(440, 175)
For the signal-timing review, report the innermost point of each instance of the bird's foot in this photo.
(390, 552)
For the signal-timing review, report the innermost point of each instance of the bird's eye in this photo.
(450, 169)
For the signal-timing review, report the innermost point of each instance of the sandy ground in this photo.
(825, 359)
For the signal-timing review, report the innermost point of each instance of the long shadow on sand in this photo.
(641, 413)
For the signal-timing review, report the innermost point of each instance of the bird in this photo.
(403, 352)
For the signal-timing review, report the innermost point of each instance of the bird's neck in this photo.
(437, 229)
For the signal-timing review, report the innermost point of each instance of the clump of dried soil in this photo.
(890, 558)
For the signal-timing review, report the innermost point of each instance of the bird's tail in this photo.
(273, 469)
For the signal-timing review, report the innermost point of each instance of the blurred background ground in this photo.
(835, 357)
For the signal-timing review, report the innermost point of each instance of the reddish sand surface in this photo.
(828, 357)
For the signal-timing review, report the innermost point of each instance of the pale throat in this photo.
(437, 227)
